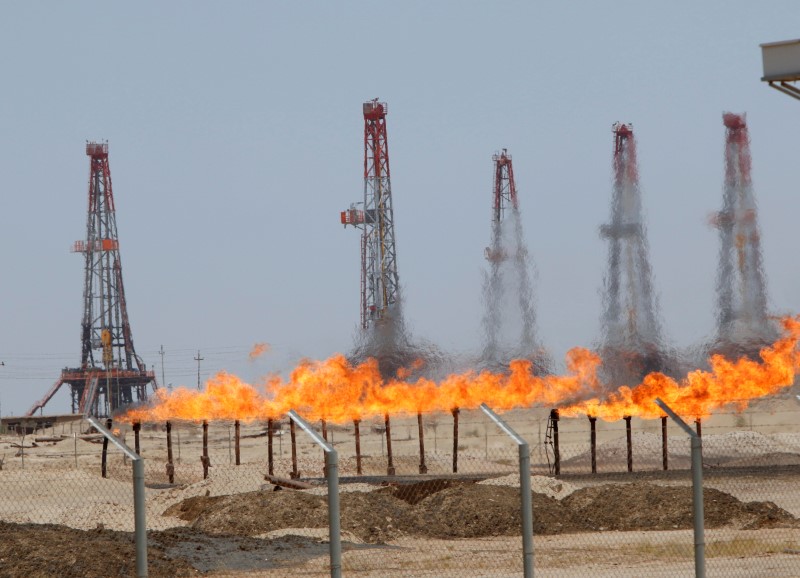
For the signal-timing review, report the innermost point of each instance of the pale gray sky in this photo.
(235, 137)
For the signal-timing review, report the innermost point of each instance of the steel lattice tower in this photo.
(631, 343)
(505, 188)
(508, 257)
(380, 284)
(743, 326)
(110, 375)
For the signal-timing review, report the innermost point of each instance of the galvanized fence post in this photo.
(697, 491)
(332, 474)
(140, 532)
(524, 489)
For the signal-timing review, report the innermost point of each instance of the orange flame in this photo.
(258, 350)
(728, 383)
(225, 397)
(337, 391)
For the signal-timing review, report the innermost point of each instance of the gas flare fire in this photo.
(338, 391)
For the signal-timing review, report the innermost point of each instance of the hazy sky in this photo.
(236, 137)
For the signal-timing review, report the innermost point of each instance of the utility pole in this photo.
(198, 359)
(163, 380)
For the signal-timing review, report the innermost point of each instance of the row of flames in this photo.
(337, 391)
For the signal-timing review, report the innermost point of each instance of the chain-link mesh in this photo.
(64, 510)
(60, 516)
(633, 516)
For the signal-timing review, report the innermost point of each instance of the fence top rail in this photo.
(113, 439)
(503, 425)
(318, 439)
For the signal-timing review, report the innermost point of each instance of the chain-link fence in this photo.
(438, 496)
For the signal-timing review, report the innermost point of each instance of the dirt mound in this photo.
(469, 510)
(228, 527)
(643, 506)
(473, 511)
(252, 513)
(371, 517)
(375, 517)
(546, 485)
(414, 493)
(39, 550)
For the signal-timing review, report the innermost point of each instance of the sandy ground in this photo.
(753, 457)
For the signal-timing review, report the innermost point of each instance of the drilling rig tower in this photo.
(110, 375)
(631, 345)
(508, 276)
(743, 325)
(380, 285)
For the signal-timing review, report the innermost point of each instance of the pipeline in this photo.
(137, 427)
(270, 458)
(170, 465)
(236, 441)
(593, 441)
(294, 474)
(664, 452)
(423, 469)
(356, 424)
(556, 452)
(205, 459)
(390, 466)
(105, 449)
(455, 439)
(627, 419)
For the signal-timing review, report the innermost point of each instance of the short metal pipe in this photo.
(664, 450)
(455, 412)
(205, 459)
(357, 434)
(236, 435)
(270, 458)
(699, 425)
(390, 466)
(295, 474)
(593, 441)
(630, 443)
(324, 429)
(423, 469)
(170, 465)
(139, 508)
